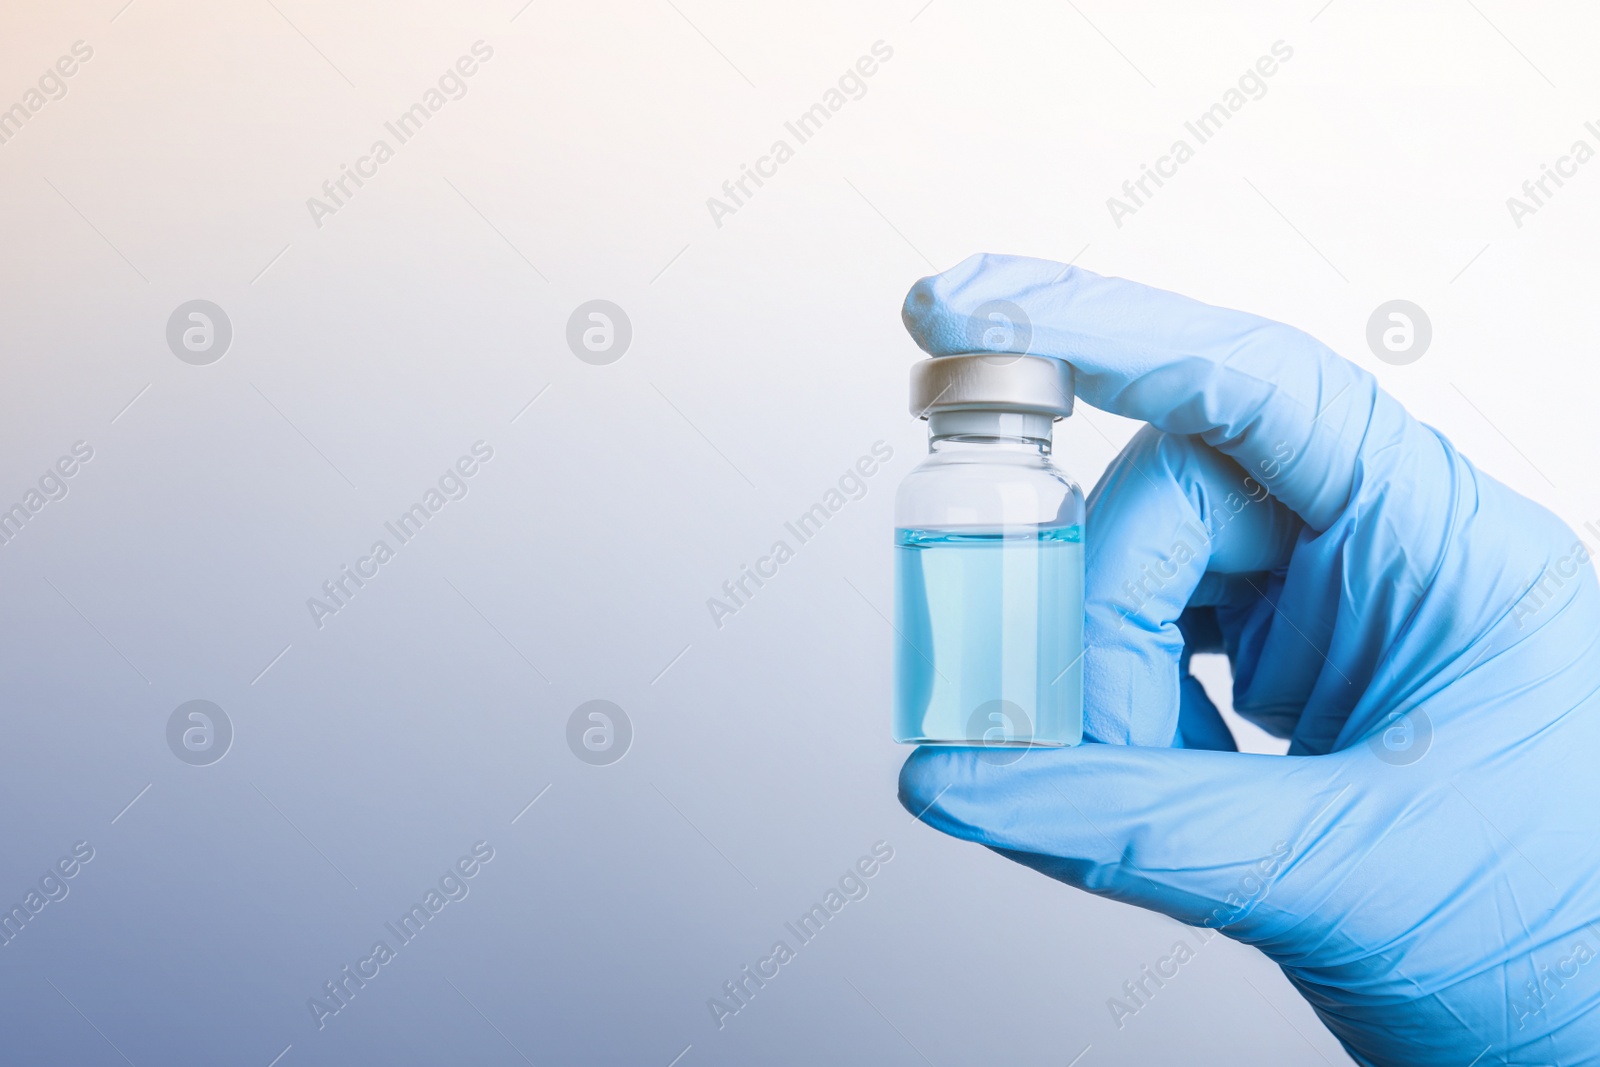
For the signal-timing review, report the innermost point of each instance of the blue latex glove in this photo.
(1423, 865)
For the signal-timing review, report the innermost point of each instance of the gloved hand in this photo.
(1423, 864)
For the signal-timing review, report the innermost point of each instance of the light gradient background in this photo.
(370, 353)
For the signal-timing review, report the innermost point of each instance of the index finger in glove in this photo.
(1253, 388)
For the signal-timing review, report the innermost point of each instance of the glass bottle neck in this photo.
(955, 444)
(953, 431)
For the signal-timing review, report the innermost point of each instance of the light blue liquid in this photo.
(990, 643)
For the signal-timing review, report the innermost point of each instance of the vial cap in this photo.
(992, 381)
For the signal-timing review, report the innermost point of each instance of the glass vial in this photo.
(989, 560)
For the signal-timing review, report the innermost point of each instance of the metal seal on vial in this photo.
(991, 381)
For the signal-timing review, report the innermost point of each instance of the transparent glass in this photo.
(988, 596)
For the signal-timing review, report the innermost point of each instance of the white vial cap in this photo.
(992, 382)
